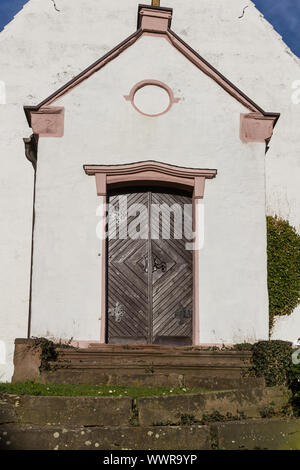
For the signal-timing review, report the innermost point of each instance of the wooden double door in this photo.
(149, 268)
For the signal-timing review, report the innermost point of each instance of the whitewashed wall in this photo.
(202, 131)
(42, 49)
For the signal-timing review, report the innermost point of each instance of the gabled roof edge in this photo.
(224, 82)
(85, 73)
(179, 44)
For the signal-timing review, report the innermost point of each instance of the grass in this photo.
(36, 389)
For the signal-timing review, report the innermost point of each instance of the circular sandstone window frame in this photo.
(144, 83)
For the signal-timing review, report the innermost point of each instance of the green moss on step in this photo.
(36, 389)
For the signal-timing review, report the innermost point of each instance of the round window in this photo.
(152, 100)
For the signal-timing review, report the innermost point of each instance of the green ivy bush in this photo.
(283, 267)
(273, 361)
(48, 350)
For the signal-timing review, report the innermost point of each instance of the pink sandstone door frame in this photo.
(151, 172)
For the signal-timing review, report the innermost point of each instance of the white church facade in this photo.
(175, 114)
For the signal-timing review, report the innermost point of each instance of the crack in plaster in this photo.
(243, 14)
(54, 4)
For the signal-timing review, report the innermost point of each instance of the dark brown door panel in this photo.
(150, 280)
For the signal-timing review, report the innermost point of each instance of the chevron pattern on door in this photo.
(149, 279)
(172, 290)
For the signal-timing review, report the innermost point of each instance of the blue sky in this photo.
(8, 8)
(283, 14)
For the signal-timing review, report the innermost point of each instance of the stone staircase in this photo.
(224, 419)
(228, 415)
(142, 365)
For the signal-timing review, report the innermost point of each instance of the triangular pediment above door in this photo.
(256, 124)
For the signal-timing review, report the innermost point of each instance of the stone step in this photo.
(262, 434)
(138, 378)
(155, 423)
(249, 403)
(267, 434)
(148, 411)
(25, 437)
(121, 355)
(127, 362)
(159, 367)
(56, 410)
(148, 365)
(104, 363)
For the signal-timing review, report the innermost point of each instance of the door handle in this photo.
(145, 263)
(156, 264)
